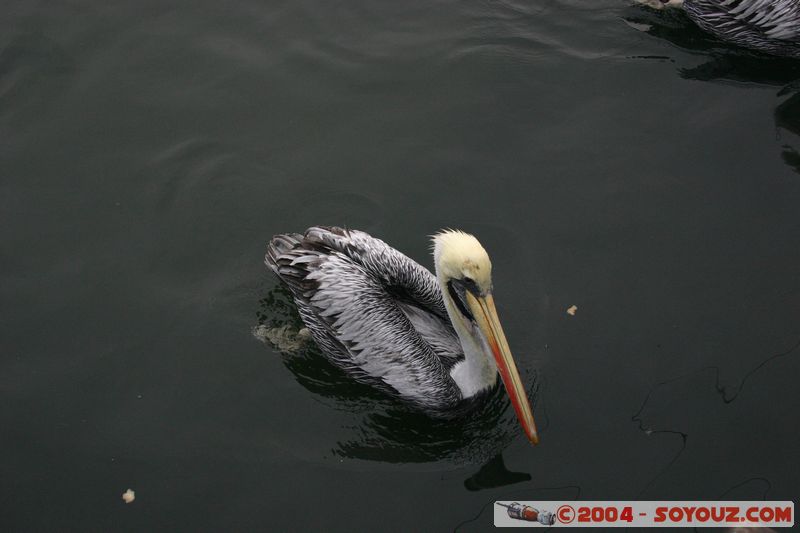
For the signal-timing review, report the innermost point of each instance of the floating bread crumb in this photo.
(572, 310)
(128, 496)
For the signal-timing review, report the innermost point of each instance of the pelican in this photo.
(771, 26)
(433, 341)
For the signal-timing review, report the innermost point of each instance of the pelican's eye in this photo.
(471, 286)
(457, 290)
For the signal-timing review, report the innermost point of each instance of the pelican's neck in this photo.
(478, 370)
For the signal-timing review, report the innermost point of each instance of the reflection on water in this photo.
(398, 434)
(661, 413)
(494, 474)
(673, 25)
(388, 430)
(725, 62)
(787, 118)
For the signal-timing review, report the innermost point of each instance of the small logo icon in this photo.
(530, 514)
(565, 514)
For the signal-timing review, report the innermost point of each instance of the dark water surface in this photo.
(606, 156)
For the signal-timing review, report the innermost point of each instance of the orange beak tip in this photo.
(486, 314)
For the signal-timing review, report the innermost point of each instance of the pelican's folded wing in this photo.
(769, 25)
(344, 284)
(777, 19)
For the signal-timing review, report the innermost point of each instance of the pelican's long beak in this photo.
(486, 317)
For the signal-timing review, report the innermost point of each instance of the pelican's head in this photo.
(464, 272)
(459, 256)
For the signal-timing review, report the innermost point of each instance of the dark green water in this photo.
(607, 157)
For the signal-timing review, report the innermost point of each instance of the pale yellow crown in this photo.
(459, 255)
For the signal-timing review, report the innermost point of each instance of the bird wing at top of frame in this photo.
(776, 19)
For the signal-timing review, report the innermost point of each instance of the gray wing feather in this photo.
(439, 335)
(769, 25)
(375, 312)
(777, 19)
